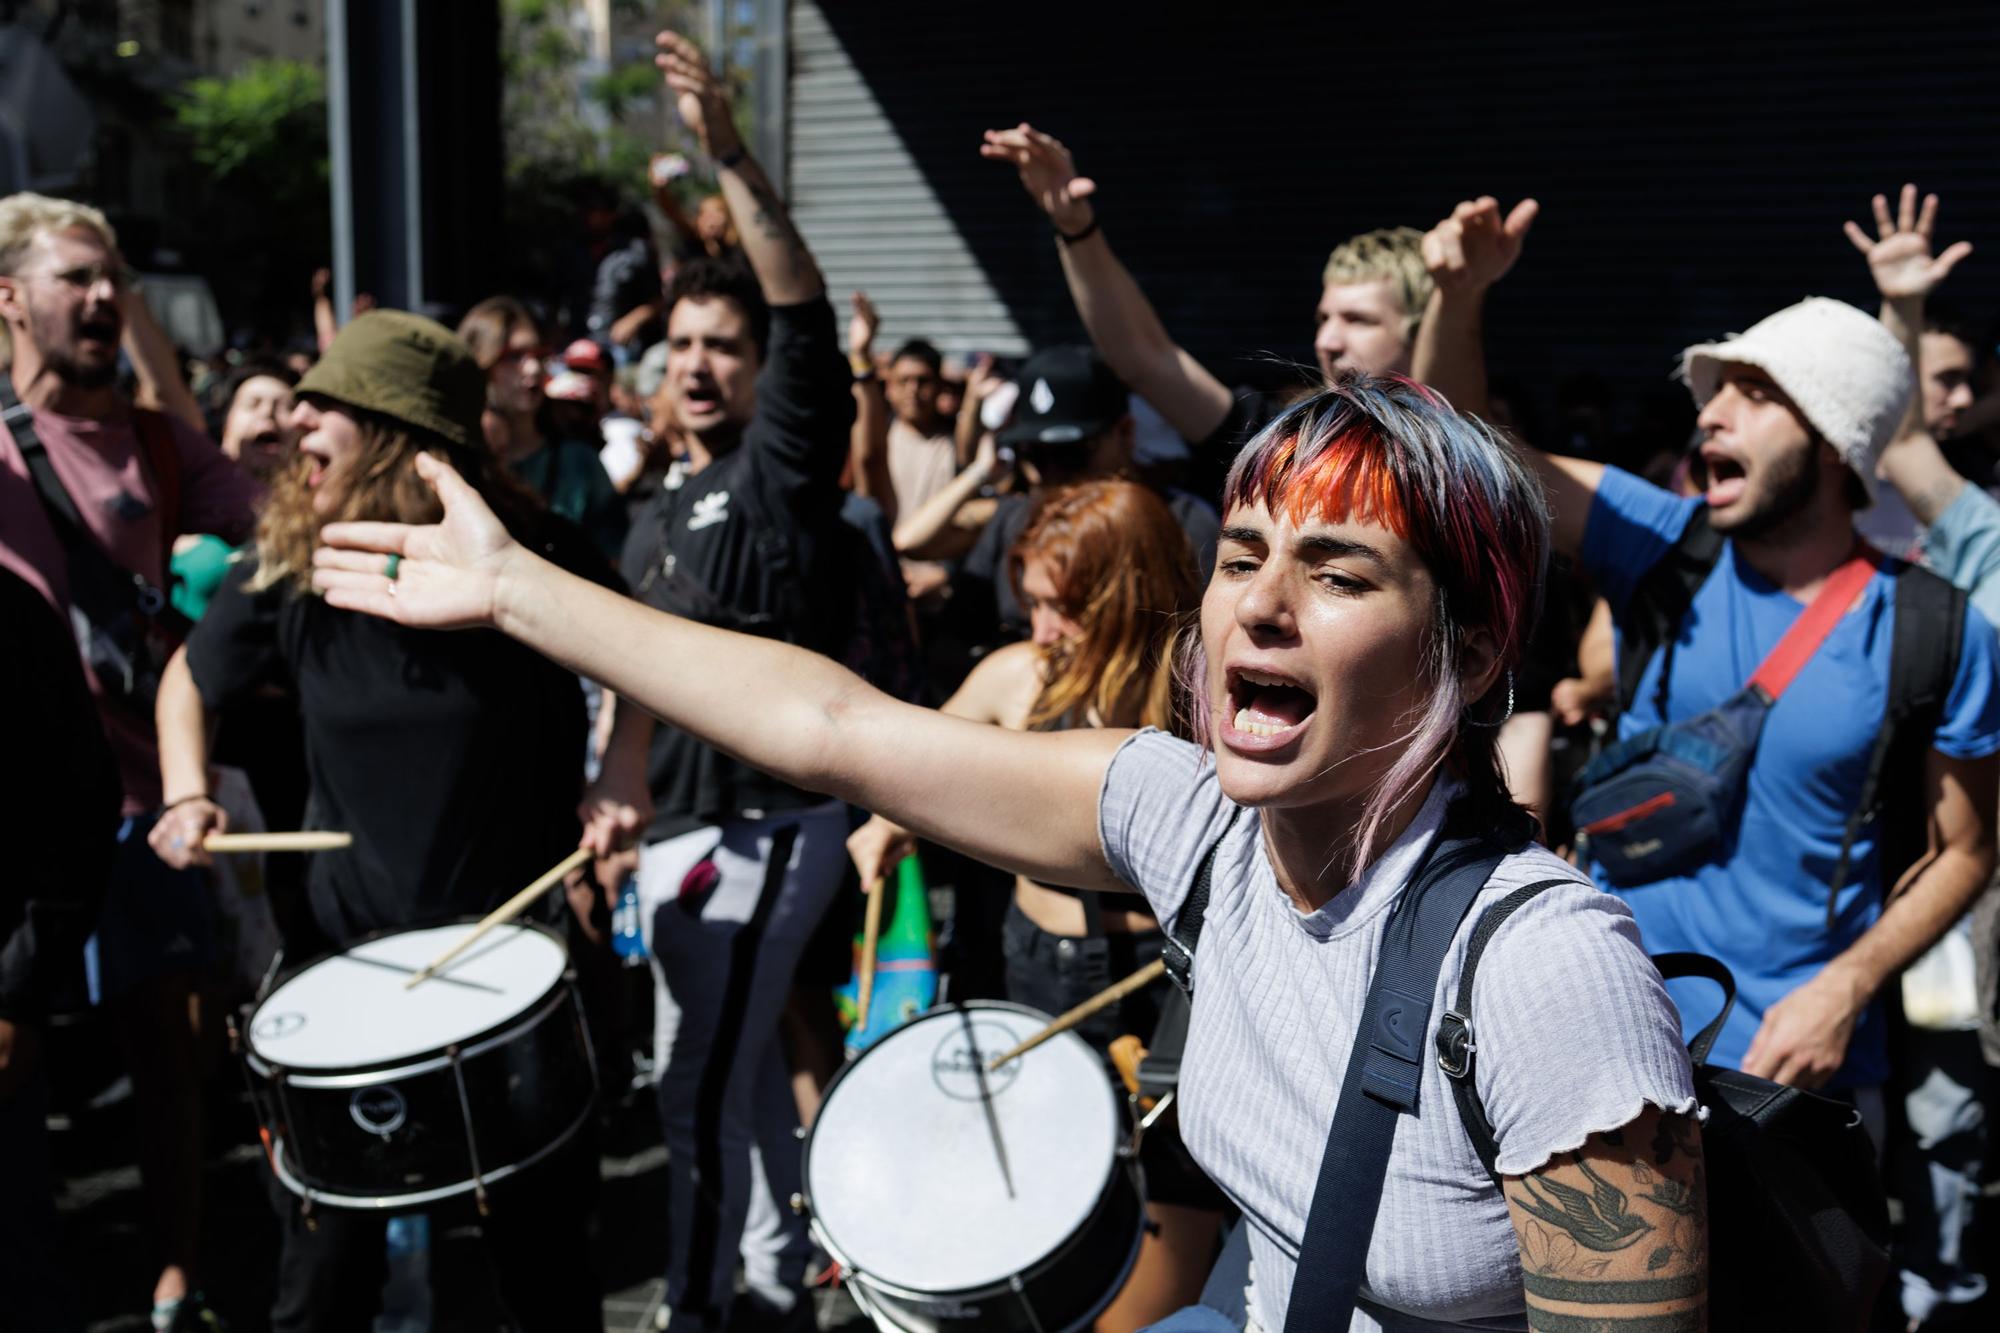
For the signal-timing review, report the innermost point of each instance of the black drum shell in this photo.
(398, 1135)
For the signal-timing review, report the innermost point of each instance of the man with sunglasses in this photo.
(93, 492)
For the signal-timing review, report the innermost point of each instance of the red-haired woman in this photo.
(1104, 572)
(1380, 564)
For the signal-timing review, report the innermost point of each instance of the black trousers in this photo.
(536, 1239)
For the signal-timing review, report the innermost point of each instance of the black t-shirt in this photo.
(982, 589)
(753, 542)
(454, 758)
(1250, 410)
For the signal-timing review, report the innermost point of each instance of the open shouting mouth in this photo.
(1266, 710)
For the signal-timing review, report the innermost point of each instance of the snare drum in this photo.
(373, 1096)
(936, 1228)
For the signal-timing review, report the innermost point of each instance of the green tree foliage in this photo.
(260, 139)
(266, 125)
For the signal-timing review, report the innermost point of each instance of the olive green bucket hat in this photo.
(406, 367)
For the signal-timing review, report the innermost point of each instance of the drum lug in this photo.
(798, 1202)
(1141, 1124)
(1020, 1290)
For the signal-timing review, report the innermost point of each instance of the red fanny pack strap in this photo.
(1809, 631)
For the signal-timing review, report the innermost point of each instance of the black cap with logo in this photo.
(1067, 396)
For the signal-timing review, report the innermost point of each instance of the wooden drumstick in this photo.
(308, 840)
(506, 912)
(1110, 995)
(871, 930)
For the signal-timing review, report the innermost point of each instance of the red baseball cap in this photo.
(586, 356)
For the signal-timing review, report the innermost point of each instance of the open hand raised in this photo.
(1474, 247)
(442, 576)
(700, 97)
(1048, 174)
(862, 323)
(1900, 255)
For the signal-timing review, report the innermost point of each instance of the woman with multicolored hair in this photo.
(1380, 565)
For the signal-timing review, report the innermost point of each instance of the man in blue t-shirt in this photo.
(1794, 415)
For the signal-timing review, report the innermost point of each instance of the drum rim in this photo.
(1005, 1287)
(1118, 1160)
(429, 1056)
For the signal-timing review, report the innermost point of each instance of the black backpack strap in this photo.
(100, 587)
(1177, 949)
(1659, 602)
(1384, 1073)
(1456, 1045)
(1926, 636)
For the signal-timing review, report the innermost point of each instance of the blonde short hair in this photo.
(1393, 255)
(23, 217)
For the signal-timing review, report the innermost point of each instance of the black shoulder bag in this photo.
(1798, 1229)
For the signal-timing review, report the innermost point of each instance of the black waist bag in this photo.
(1664, 801)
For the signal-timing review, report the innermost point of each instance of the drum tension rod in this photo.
(471, 1139)
(1020, 1290)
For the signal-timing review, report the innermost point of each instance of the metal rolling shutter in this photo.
(870, 214)
(1695, 162)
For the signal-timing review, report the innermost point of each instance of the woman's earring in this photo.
(1502, 719)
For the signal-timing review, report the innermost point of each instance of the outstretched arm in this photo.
(777, 255)
(1121, 322)
(1466, 254)
(1023, 801)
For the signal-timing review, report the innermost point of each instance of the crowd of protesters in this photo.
(707, 436)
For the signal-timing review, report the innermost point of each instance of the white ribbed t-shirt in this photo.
(1575, 1033)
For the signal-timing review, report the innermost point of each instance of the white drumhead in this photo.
(902, 1173)
(351, 1009)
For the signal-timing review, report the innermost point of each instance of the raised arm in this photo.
(777, 255)
(868, 445)
(155, 363)
(660, 175)
(946, 525)
(1122, 323)
(1466, 254)
(1026, 802)
(1899, 259)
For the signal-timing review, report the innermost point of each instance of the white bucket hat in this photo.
(1847, 375)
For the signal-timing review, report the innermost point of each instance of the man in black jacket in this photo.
(738, 867)
(59, 818)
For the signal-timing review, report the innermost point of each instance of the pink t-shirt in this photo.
(104, 469)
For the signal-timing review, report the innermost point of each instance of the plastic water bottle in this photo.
(406, 1295)
(626, 940)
